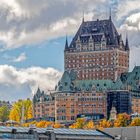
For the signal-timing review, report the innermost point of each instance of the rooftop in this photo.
(97, 31)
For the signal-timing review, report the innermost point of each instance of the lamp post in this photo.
(22, 114)
(82, 101)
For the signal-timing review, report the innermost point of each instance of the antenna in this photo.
(66, 43)
(135, 64)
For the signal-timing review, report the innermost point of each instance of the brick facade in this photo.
(97, 54)
(69, 105)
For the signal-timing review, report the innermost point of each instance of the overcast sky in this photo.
(32, 38)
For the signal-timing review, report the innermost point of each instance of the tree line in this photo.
(22, 109)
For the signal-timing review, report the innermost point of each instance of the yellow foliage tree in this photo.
(41, 124)
(29, 123)
(80, 124)
(14, 115)
(17, 109)
(73, 126)
(135, 122)
(89, 125)
(105, 124)
(44, 124)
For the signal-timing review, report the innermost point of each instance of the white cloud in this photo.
(127, 7)
(29, 22)
(20, 58)
(134, 57)
(29, 78)
(25, 22)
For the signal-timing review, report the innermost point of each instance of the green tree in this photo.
(4, 113)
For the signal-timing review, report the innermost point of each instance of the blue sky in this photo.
(32, 39)
(46, 54)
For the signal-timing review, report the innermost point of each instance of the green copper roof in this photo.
(69, 82)
(88, 85)
(132, 79)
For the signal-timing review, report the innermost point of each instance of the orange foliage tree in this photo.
(122, 120)
(43, 124)
(57, 125)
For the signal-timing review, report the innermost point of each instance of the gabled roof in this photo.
(42, 96)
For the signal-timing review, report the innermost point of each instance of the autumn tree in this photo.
(79, 124)
(22, 106)
(82, 123)
(105, 124)
(44, 124)
(122, 120)
(4, 113)
(135, 122)
(89, 125)
(29, 124)
(57, 125)
(28, 112)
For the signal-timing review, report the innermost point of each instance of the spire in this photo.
(66, 44)
(83, 19)
(110, 14)
(38, 91)
(127, 44)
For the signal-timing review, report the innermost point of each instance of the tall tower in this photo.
(97, 51)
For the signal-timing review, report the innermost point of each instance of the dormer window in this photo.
(94, 29)
(66, 83)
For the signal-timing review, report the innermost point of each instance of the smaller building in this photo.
(44, 105)
(25, 133)
(6, 103)
(124, 133)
